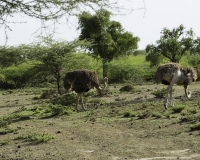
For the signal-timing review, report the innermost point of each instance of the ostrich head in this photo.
(67, 86)
(105, 82)
(190, 76)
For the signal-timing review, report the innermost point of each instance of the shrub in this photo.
(36, 137)
(178, 108)
(50, 110)
(195, 126)
(128, 88)
(6, 130)
(156, 115)
(4, 143)
(129, 114)
(19, 75)
(6, 120)
(144, 114)
(65, 99)
(47, 94)
(131, 68)
(160, 93)
(187, 118)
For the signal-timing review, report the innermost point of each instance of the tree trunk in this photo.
(58, 81)
(105, 68)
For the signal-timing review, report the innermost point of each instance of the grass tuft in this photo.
(160, 93)
(195, 126)
(36, 137)
(129, 114)
(178, 108)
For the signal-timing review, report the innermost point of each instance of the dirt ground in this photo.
(103, 132)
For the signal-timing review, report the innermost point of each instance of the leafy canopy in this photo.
(172, 45)
(11, 56)
(110, 39)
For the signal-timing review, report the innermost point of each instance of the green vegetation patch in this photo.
(36, 137)
(3, 143)
(195, 126)
(178, 108)
(130, 114)
(128, 88)
(51, 110)
(6, 120)
(7, 130)
(65, 99)
(160, 93)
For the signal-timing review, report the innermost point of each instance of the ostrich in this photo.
(82, 81)
(173, 73)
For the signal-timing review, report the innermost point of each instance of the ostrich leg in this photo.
(77, 102)
(171, 100)
(81, 97)
(169, 90)
(166, 98)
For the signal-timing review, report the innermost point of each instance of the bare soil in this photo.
(103, 132)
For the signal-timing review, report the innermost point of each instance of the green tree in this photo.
(2, 76)
(196, 47)
(109, 38)
(11, 56)
(172, 45)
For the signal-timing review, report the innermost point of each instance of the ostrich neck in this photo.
(99, 89)
(181, 80)
(105, 85)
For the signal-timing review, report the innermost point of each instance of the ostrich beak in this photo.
(187, 94)
(101, 90)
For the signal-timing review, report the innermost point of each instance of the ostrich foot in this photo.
(172, 103)
(189, 94)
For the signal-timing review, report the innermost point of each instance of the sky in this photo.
(144, 23)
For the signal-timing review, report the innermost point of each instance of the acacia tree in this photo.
(54, 54)
(173, 44)
(196, 46)
(11, 56)
(109, 38)
(51, 10)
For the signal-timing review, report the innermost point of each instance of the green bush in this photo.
(47, 94)
(194, 60)
(36, 137)
(7, 130)
(187, 118)
(49, 110)
(131, 68)
(160, 93)
(129, 88)
(19, 75)
(195, 126)
(65, 99)
(129, 114)
(6, 120)
(178, 108)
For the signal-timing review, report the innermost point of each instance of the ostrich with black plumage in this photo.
(82, 81)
